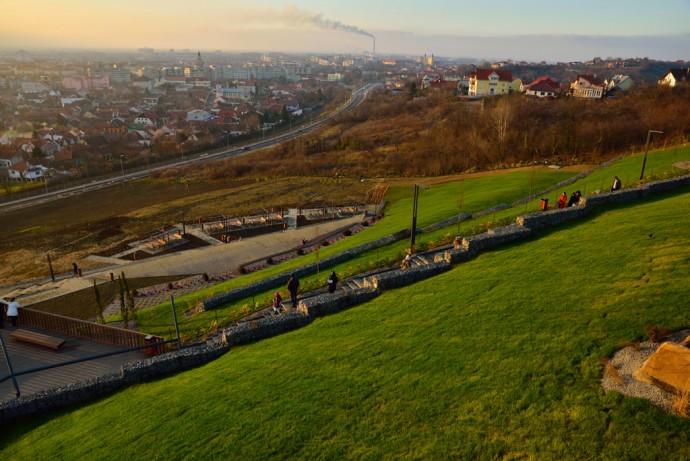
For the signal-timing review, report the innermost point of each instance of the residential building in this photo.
(80, 82)
(587, 86)
(241, 93)
(198, 116)
(143, 82)
(675, 76)
(335, 77)
(490, 82)
(618, 83)
(543, 87)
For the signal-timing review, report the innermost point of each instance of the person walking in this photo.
(616, 184)
(293, 287)
(406, 262)
(332, 282)
(277, 307)
(13, 311)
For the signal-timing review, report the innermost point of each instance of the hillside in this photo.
(500, 357)
(439, 134)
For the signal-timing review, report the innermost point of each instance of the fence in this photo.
(87, 330)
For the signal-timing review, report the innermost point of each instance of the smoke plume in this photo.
(295, 16)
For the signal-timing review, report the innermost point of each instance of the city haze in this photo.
(535, 30)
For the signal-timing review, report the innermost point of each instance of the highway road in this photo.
(355, 100)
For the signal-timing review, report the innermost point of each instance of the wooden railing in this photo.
(88, 330)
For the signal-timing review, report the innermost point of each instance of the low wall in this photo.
(281, 279)
(403, 277)
(333, 302)
(494, 237)
(542, 219)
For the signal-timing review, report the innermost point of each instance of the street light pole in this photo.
(414, 213)
(646, 148)
(122, 167)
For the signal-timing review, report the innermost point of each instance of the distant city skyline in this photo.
(532, 30)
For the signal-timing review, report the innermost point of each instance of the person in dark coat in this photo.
(332, 282)
(293, 287)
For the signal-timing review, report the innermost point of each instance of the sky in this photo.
(532, 30)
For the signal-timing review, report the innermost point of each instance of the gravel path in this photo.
(630, 359)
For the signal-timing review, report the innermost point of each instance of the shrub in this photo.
(611, 371)
(347, 232)
(241, 269)
(269, 260)
(656, 333)
(300, 251)
(325, 243)
(365, 223)
(205, 277)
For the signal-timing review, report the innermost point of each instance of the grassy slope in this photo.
(435, 204)
(499, 357)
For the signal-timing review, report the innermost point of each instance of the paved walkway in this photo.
(215, 259)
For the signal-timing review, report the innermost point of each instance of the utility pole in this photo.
(414, 212)
(646, 148)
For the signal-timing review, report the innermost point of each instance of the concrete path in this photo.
(215, 259)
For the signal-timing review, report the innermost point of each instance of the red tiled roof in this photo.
(544, 84)
(591, 79)
(483, 74)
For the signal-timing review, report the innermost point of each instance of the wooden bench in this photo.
(38, 338)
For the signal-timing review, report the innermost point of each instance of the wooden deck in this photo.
(24, 356)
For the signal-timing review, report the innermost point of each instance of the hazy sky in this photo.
(529, 29)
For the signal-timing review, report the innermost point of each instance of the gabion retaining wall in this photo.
(281, 279)
(403, 277)
(540, 220)
(329, 303)
(494, 237)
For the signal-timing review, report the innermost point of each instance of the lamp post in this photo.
(122, 167)
(184, 229)
(646, 148)
(414, 212)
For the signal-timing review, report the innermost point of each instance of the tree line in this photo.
(439, 134)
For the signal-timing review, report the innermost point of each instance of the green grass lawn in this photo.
(435, 204)
(497, 358)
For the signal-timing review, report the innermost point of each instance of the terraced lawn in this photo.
(497, 358)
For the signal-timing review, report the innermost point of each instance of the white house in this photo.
(243, 93)
(198, 116)
(675, 76)
(27, 171)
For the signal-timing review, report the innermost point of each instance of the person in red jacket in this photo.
(562, 200)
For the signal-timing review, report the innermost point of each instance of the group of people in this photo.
(563, 200)
(9, 309)
(293, 289)
(575, 196)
